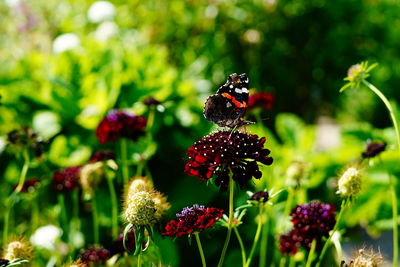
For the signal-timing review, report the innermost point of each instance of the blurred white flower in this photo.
(46, 237)
(64, 42)
(12, 3)
(105, 30)
(100, 11)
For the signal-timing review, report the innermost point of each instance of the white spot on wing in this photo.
(244, 90)
(231, 86)
(238, 90)
(247, 80)
(228, 105)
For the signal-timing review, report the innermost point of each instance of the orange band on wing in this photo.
(237, 103)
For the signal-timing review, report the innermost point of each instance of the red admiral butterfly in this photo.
(228, 106)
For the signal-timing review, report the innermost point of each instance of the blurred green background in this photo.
(64, 67)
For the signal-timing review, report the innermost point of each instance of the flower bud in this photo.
(349, 184)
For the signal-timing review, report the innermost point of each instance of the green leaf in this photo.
(290, 128)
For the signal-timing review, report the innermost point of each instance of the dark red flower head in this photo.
(193, 219)
(95, 256)
(117, 246)
(373, 149)
(151, 101)
(3, 262)
(310, 221)
(120, 124)
(261, 196)
(263, 100)
(223, 151)
(26, 138)
(67, 179)
(29, 185)
(102, 155)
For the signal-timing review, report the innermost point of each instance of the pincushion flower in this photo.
(18, 249)
(139, 185)
(67, 179)
(139, 209)
(310, 221)
(263, 100)
(373, 149)
(29, 185)
(119, 124)
(349, 184)
(46, 237)
(117, 247)
(365, 258)
(95, 256)
(102, 155)
(26, 138)
(193, 219)
(224, 151)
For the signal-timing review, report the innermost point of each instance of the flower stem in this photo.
(114, 207)
(282, 262)
(139, 259)
(310, 257)
(203, 259)
(242, 249)
(35, 213)
(256, 237)
(24, 171)
(263, 244)
(124, 160)
(6, 220)
(228, 235)
(391, 181)
(326, 245)
(95, 221)
(63, 213)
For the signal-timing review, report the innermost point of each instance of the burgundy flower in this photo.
(120, 124)
(193, 219)
(373, 149)
(315, 218)
(311, 221)
(263, 100)
(26, 138)
(261, 196)
(95, 256)
(67, 179)
(117, 246)
(222, 151)
(102, 155)
(3, 262)
(151, 101)
(29, 185)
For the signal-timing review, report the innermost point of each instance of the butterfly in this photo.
(227, 107)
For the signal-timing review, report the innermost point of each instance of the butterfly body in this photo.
(227, 107)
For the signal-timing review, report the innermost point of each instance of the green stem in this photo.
(292, 262)
(140, 166)
(139, 259)
(282, 262)
(392, 183)
(242, 249)
(289, 201)
(310, 257)
(35, 213)
(95, 221)
(6, 221)
(228, 235)
(124, 160)
(75, 200)
(63, 213)
(326, 245)
(114, 207)
(24, 171)
(203, 259)
(263, 244)
(256, 237)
